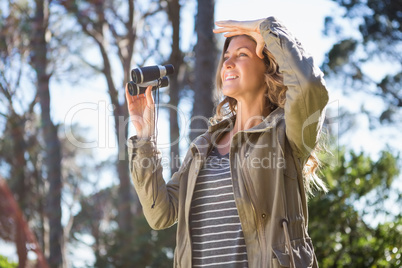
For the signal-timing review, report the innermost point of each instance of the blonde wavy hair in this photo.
(275, 97)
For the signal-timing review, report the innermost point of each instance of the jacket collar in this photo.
(203, 142)
(270, 121)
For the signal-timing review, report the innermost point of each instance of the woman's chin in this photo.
(229, 92)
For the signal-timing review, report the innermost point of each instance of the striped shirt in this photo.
(216, 233)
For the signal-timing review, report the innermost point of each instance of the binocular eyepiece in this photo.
(150, 73)
(155, 76)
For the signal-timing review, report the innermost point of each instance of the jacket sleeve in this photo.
(306, 96)
(146, 173)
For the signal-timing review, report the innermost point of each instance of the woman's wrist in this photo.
(145, 137)
(258, 28)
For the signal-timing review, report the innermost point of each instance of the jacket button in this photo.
(263, 215)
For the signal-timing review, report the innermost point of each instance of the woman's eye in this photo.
(243, 55)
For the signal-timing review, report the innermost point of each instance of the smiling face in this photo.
(242, 71)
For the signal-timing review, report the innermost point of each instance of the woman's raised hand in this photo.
(141, 110)
(251, 28)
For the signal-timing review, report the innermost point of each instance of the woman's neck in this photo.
(248, 116)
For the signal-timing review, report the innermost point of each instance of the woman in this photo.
(239, 198)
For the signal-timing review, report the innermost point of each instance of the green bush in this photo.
(5, 263)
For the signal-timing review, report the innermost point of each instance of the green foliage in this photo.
(379, 23)
(347, 236)
(146, 247)
(359, 223)
(5, 263)
(340, 53)
(369, 35)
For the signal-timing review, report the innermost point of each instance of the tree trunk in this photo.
(176, 58)
(94, 26)
(50, 137)
(205, 55)
(120, 113)
(16, 125)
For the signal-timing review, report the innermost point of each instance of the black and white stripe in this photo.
(216, 233)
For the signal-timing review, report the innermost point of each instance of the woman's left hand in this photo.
(250, 28)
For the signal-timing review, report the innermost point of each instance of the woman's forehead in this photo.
(241, 41)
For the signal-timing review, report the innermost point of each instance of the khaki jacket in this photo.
(266, 167)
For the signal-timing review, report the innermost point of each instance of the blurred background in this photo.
(66, 199)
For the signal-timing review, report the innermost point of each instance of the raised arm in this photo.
(306, 96)
(158, 199)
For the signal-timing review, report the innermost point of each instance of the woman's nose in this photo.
(228, 63)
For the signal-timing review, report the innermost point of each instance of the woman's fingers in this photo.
(134, 103)
(128, 97)
(250, 25)
(141, 112)
(137, 102)
(229, 26)
(226, 29)
(232, 28)
(222, 23)
(149, 97)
